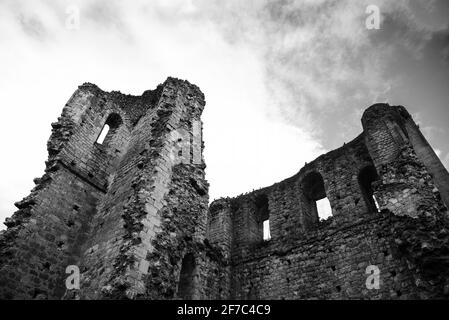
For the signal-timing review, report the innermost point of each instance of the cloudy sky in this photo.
(285, 81)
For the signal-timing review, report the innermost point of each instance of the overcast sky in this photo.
(285, 81)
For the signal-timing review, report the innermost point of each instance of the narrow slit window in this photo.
(103, 134)
(260, 226)
(366, 178)
(376, 203)
(266, 230)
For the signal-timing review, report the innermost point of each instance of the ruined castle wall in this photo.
(155, 211)
(220, 227)
(128, 209)
(429, 158)
(291, 207)
(220, 234)
(81, 153)
(405, 179)
(328, 263)
(109, 233)
(52, 223)
(169, 261)
(179, 263)
(408, 192)
(307, 259)
(36, 251)
(384, 133)
(133, 212)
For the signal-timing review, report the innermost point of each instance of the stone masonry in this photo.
(132, 212)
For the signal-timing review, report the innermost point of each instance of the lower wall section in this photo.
(329, 264)
(181, 264)
(45, 236)
(214, 280)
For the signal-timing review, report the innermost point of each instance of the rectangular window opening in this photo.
(266, 230)
(324, 209)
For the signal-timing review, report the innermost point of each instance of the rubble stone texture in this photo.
(137, 221)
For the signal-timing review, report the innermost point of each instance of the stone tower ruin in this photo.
(131, 212)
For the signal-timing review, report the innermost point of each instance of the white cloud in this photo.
(132, 48)
(314, 51)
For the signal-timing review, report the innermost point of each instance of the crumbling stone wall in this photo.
(122, 211)
(406, 237)
(132, 212)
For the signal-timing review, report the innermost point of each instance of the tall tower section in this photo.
(123, 198)
(402, 155)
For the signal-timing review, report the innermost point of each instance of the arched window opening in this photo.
(109, 129)
(366, 178)
(186, 285)
(317, 201)
(262, 216)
